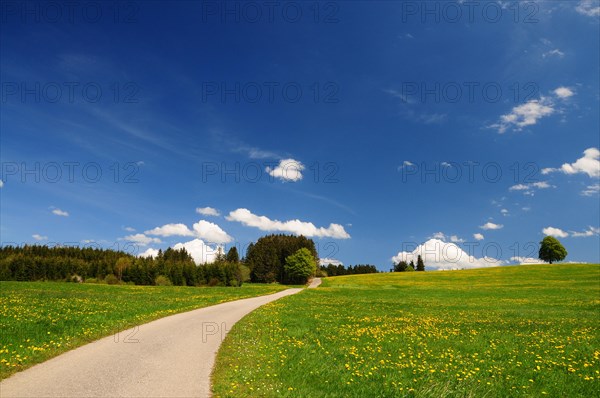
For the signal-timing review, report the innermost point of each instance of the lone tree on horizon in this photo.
(551, 250)
(420, 264)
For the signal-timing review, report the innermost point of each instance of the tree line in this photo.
(338, 270)
(403, 266)
(40, 262)
(273, 258)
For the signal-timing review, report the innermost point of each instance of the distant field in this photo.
(39, 320)
(501, 332)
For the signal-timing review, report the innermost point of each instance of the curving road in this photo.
(169, 357)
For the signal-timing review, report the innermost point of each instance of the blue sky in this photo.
(381, 129)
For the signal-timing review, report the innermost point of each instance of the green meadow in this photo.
(523, 331)
(39, 320)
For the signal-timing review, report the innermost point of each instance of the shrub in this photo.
(91, 280)
(245, 270)
(111, 279)
(214, 282)
(299, 266)
(162, 280)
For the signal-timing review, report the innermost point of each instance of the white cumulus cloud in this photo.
(524, 115)
(39, 237)
(556, 232)
(564, 92)
(287, 170)
(326, 261)
(588, 164)
(149, 253)
(440, 255)
(141, 239)
(171, 230)
(529, 113)
(491, 225)
(208, 211)
(211, 232)
(526, 260)
(478, 236)
(201, 252)
(297, 227)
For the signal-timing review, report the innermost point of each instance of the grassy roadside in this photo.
(501, 332)
(39, 320)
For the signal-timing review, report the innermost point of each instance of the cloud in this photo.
(563, 92)
(529, 113)
(326, 261)
(1, 184)
(556, 232)
(442, 236)
(588, 164)
(211, 232)
(129, 229)
(591, 190)
(456, 239)
(504, 212)
(524, 115)
(554, 53)
(39, 237)
(526, 260)
(491, 225)
(141, 239)
(591, 231)
(207, 211)
(398, 94)
(439, 255)
(287, 170)
(478, 236)
(438, 235)
(202, 229)
(200, 251)
(149, 253)
(528, 189)
(589, 8)
(171, 230)
(60, 212)
(297, 227)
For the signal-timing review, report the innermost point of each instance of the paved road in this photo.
(173, 357)
(314, 283)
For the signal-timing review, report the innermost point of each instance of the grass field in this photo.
(501, 332)
(39, 320)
